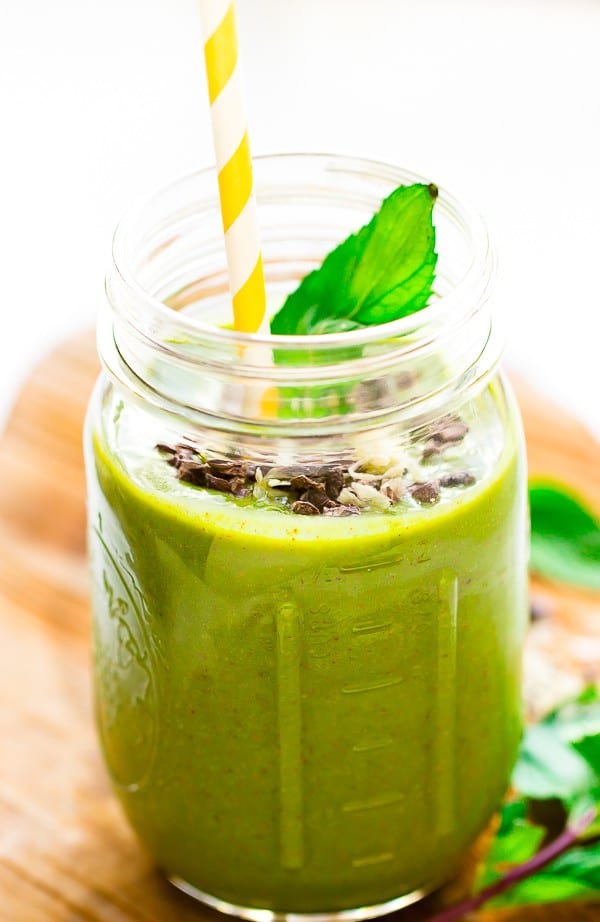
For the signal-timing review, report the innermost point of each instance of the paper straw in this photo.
(234, 164)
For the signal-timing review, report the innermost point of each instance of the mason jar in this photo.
(303, 711)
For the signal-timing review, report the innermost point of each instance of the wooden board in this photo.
(66, 853)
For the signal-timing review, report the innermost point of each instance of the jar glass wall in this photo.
(303, 713)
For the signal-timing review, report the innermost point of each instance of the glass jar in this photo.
(303, 714)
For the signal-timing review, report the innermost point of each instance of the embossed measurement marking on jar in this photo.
(289, 717)
(369, 745)
(371, 627)
(365, 633)
(126, 658)
(443, 769)
(373, 803)
(371, 686)
(369, 860)
(366, 636)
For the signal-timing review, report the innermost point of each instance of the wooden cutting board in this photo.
(66, 852)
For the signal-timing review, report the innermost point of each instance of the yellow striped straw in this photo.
(234, 164)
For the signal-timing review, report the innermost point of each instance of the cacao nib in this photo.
(452, 432)
(425, 493)
(458, 479)
(301, 508)
(193, 472)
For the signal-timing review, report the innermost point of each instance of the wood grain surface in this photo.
(66, 852)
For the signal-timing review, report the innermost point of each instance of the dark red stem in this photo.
(543, 858)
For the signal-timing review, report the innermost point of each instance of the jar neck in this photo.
(164, 337)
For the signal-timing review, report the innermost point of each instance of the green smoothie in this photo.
(305, 713)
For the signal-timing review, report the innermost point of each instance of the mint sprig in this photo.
(565, 536)
(559, 872)
(560, 756)
(559, 761)
(381, 273)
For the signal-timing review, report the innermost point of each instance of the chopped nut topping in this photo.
(341, 510)
(394, 489)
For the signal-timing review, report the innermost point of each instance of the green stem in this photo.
(543, 858)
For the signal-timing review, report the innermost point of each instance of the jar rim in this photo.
(470, 288)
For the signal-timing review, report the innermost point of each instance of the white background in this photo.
(499, 100)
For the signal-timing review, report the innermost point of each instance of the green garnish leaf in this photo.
(383, 272)
(560, 756)
(565, 536)
(517, 840)
(589, 748)
(526, 863)
(550, 768)
(559, 760)
(574, 875)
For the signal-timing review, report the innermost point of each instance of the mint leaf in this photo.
(517, 840)
(383, 272)
(565, 537)
(559, 871)
(589, 748)
(575, 875)
(559, 760)
(577, 717)
(549, 767)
